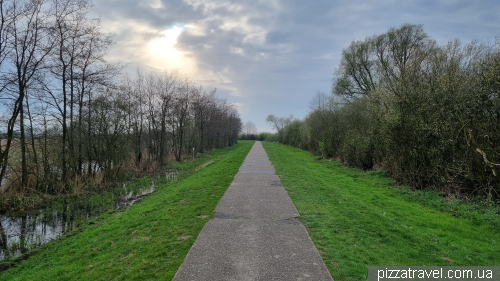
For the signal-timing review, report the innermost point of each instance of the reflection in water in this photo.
(21, 234)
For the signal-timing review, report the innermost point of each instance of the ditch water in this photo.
(21, 234)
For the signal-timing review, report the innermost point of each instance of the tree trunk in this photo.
(24, 165)
(35, 157)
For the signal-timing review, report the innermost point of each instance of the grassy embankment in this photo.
(358, 219)
(147, 241)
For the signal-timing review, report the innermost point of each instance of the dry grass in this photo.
(14, 144)
(42, 186)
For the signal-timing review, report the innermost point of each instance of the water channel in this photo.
(21, 234)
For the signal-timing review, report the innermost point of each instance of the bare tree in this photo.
(75, 121)
(279, 123)
(181, 115)
(168, 83)
(6, 19)
(321, 102)
(29, 44)
(249, 128)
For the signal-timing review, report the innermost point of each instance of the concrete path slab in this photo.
(267, 169)
(257, 196)
(254, 235)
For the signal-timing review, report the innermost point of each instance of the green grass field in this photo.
(355, 219)
(359, 219)
(147, 241)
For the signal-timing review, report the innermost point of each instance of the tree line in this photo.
(69, 117)
(428, 114)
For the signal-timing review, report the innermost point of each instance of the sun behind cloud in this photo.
(165, 46)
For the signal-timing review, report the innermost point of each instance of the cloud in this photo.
(271, 56)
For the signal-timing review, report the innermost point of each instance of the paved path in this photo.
(254, 235)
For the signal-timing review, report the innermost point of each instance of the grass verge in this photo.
(147, 241)
(358, 219)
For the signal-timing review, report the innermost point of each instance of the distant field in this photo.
(13, 144)
(358, 219)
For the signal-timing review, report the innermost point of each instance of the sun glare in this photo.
(165, 46)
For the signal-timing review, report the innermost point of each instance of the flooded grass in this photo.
(21, 233)
(147, 241)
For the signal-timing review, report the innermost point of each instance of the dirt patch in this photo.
(450, 261)
(184, 237)
(203, 165)
(183, 202)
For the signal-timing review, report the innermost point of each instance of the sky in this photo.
(273, 56)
